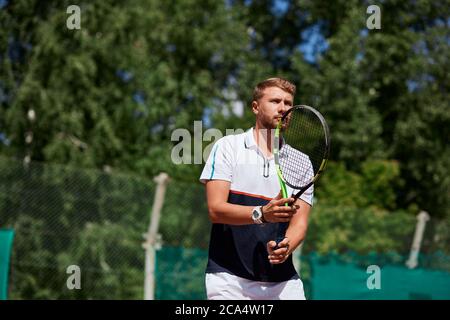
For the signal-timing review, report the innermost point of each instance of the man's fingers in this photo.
(284, 209)
(277, 259)
(284, 243)
(283, 201)
(271, 245)
(283, 214)
(281, 251)
(280, 254)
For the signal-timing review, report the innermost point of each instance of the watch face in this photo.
(256, 214)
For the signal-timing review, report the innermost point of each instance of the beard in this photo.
(269, 122)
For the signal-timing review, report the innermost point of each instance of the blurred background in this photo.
(87, 116)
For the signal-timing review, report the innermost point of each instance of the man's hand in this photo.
(276, 211)
(281, 253)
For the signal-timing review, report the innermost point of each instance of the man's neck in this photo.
(264, 139)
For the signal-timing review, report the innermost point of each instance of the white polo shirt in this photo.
(237, 158)
(241, 249)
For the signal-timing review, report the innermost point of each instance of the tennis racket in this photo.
(301, 150)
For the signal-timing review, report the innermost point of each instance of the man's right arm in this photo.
(220, 211)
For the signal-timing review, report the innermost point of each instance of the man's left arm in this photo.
(298, 226)
(295, 234)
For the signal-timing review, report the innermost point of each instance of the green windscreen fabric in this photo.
(6, 239)
(180, 274)
(337, 278)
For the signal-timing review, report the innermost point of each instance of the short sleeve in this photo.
(219, 165)
(307, 196)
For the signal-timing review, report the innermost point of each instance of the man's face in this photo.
(271, 106)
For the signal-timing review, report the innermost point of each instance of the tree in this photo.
(109, 95)
(106, 96)
(385, 92)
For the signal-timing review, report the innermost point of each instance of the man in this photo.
(245, 207)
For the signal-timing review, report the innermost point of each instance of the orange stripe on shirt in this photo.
(250, 195)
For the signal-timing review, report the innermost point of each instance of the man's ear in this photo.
(255, 107)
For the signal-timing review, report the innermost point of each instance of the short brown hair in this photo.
(273, 82)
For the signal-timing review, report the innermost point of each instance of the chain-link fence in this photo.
(65, 216)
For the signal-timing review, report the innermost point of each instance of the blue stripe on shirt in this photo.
(213, 162)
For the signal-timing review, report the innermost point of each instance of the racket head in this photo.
(302, 146)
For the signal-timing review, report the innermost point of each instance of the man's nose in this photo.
(282, 108)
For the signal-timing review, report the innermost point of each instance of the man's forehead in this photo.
(277, 92)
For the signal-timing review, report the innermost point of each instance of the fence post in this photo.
(152, 238)
(422, 219)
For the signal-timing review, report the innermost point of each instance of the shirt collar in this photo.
(249, 139)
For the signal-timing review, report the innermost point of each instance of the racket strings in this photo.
(303, 148)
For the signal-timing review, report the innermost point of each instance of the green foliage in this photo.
(184, 217)
(134, 72)
(335, 87)
(374, 186)
(112, 92)
(355, 211)
(65, 216)
(109, 96)
(380, 179)
(362, 230)
(339, 186)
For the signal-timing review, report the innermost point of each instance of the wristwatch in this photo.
(257, 215)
